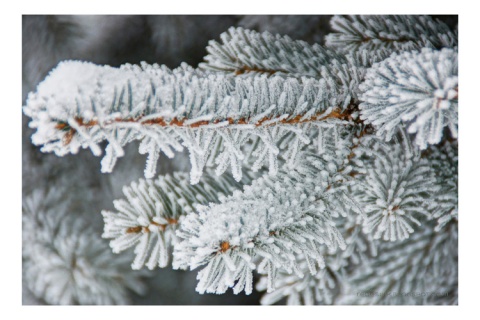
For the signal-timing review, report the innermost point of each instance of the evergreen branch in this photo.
(417, 89)
(395, 188)
(247, 51)
(65, 261)
(81, 105)
(341, 210)
(152, 211)
(421, 270)
(271, 221)
(349, 74)
(325, 286)
(395, 33)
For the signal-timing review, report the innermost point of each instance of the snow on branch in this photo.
(394, 33)
(417, 89)
(152, 211)
(247, 51)
(82, 104)
(64, 259)
(266, 226)
(395, 187)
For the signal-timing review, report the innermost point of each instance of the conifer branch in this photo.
(416, 89)
(265, 226)
(359, 138)
(169, 110)
(247, 51)
(64, 259)
(326, 285)
(152, 211)
(396, 188)
(396, 33)
(420, 270)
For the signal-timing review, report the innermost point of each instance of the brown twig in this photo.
(247, 69)
(337, 113)
(162, 227)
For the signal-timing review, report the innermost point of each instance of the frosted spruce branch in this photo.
(421, 270)
(212, 115)
(309, 113)
(265, 226)
(395, 187)
(64, 259)
(417, 89)
(327, 285)
(250, 52)
(396, 33)
(216, 115)
(153, 209)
